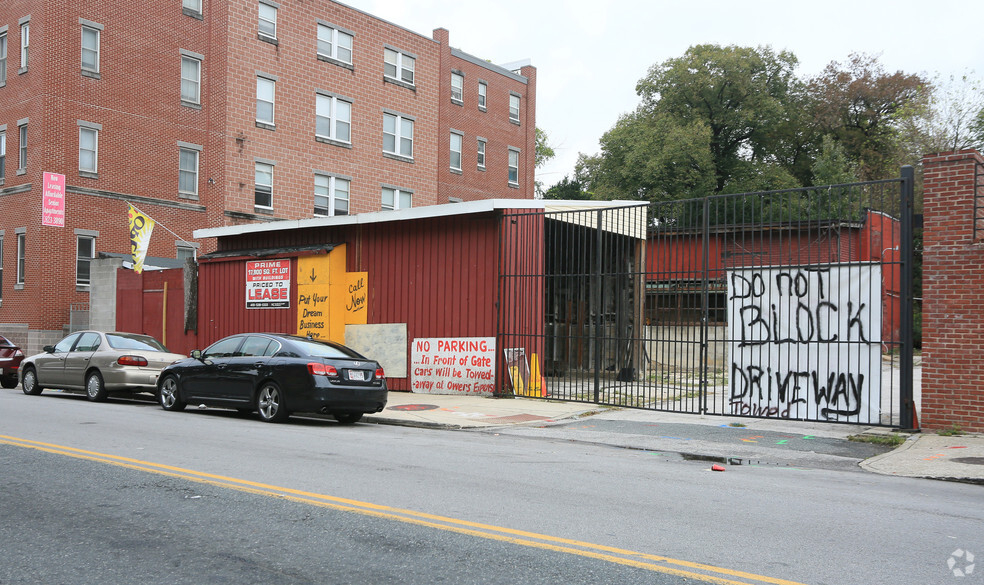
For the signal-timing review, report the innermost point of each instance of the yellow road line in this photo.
(698, 571)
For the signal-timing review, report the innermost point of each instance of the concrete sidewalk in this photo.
(926, 455)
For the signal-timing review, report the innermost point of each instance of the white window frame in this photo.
(80, 236)
(266, 20)
(92, 131)
(266, 81)
(333, 189)
(25, 44)
(95, 29)
(480, 153)
(332, 37)
(513, 166)
(3, 153)
(195, 150)
(184, 250)
(191, 82)
(21, 257)
(194, 6)
(483, 93)
(400, 139)
(514, 106)
(402, 65)
(397, 195)
(457, 88)
(22, 147)
(3, 56)
(336, 122)
(266, 168)
(455, 150)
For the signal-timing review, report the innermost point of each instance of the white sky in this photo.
(589, 54)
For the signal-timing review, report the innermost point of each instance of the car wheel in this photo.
(168, 394)
(31, 385)
(9, 382)
(347, 418)
(270, 403)
(95, 390)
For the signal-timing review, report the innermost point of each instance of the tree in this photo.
(542, 153)
(952, 118)
(567, 189)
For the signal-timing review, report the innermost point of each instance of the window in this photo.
(513, 167)
(25, 38)
(268, 20)
(333, 118)
(457, 87)
(514, 108)
(88, 148)
(191, 79)
(398, 135)
(85, 252)
(188, 171)
(680, 302)
(398, 66)
(483, 90)
(185, 250)
(481, 154)
(394, 198)
(3, 154)
(455, 151)
(90, 48)
(21, 257)
(3, 57)
(192, 6)
(264, 185)
(331, 195)
(334, 44)
(266, 90)
(22, 149)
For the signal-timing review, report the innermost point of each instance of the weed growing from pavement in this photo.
(736, 424)
(892, 439)
(951, 431)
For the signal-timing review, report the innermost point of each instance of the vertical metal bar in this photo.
(907, 405)
(705, 282)
(598, 289)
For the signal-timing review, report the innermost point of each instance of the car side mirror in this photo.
(196, 353)
(48, 349)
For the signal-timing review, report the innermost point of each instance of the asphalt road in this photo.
(124, 492)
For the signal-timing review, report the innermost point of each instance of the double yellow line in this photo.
(660, 564)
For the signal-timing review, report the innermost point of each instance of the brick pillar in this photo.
(953, 294)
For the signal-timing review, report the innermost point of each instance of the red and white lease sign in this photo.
(268, 284)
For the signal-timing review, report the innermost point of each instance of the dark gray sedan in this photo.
(276, 375)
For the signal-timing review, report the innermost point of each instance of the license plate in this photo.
(358, 375)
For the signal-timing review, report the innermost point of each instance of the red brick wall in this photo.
(953, 295)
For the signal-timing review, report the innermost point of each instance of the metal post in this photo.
(598, 289)
(705, 283)
(907, 405)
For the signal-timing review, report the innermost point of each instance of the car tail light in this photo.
(379, 373)
(18, 353)
(131, 360)
(319, 369)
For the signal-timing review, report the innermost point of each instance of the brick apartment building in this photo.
(205, 113)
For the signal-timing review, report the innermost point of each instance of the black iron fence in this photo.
(788, 304)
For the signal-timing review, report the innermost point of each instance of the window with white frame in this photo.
(188, 171)
(334, 43)
(25, 43)
(395, 198)
(3, 153)
(331, 195)
(185, 250)
(90, 47)
(513, 167)
(266, 91)
(398, 135)
(514, 108)
(481, 154)
(398, 65)
(21, 257)
(264, 185)
(333, 118)
(88, 147)
(3, 56)
(268, 20)
(194, 6)
(455, 151)
(483, 90)
(85, 252)
(457, 87)
(22, 148)
(191, 79)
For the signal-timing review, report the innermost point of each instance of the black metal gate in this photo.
(792, 304)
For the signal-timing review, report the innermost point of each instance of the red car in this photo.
(10, 359)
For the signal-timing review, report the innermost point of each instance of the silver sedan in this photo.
(97, 363)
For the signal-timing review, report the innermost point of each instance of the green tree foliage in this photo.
(567, 188)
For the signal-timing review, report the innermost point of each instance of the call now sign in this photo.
(268, 284)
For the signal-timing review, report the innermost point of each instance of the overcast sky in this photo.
(589, 54)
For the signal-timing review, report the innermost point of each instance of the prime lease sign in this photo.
(268, 284)
(806, 342)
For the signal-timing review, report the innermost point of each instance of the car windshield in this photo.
(316, 348)
(134, 341)
(4, 342)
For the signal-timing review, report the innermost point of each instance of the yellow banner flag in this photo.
(140, 228)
